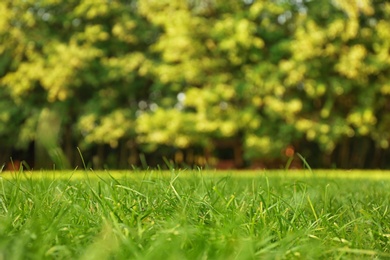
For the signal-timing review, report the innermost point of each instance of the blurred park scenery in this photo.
(225, 84)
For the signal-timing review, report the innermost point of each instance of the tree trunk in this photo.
(68, 145)
(343, 158)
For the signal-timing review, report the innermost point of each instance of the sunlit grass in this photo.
(184, 173)
(194, 214)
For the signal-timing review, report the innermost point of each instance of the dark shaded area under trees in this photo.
(225, 84)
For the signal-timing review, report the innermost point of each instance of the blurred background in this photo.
(210, 83)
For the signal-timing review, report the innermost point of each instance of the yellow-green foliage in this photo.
(181, 73)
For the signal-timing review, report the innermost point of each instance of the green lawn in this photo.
(195, 215)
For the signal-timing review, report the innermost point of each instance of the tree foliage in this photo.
(141, 75)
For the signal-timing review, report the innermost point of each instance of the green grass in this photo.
(195, 215)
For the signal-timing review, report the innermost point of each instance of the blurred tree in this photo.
(275, 73)
(222, 60)
(338, 68)
(119, 77)
(83, 60)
